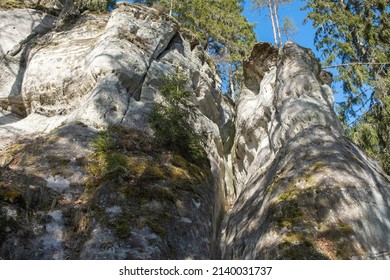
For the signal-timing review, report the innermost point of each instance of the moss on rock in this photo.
(148, 181)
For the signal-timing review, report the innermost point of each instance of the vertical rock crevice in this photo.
(282, 182)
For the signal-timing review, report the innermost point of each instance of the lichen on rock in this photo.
(304, 190)
(82, 175)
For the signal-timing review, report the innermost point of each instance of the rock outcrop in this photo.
(83, 178)
(304, 191)
(58, 89)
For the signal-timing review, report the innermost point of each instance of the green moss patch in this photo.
(301, 249)
(303, 235)
(132, 170)
(11, 196)
(337, 237)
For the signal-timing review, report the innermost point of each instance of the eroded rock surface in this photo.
(304, 190)
(101, 72)
(83, 178)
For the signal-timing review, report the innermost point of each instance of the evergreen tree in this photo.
(289, 28)
(372, 133)
(354, 37)
(173, 119)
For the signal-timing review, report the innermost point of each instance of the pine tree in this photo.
(354, 37)
(289, 28)
(372, 133)
(173, 119)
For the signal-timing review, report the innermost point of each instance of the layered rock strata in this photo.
(83, 178)
(58, 89)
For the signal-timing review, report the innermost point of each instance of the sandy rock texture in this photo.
(304, 190)
(82, 176)
(58, 93)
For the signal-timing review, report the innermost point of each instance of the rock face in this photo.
(304, 191)
(58, 89)
(83, 178)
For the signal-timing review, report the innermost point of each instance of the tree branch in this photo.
(357, 63)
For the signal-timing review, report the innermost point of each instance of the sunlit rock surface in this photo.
(281, 181)
(304, 191)
(58, 89)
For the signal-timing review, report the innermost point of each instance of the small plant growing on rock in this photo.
(173, 119)
(159, 8)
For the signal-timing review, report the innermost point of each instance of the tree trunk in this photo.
(275, 6)
(171, 8)
(273, 21)
(231, 80)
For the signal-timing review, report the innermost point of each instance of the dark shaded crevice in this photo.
(176, 42)
(264, 56)
(136, 94)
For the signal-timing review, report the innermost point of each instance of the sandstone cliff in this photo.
(83, 178)
(304, 191)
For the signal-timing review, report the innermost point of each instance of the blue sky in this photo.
(304, 37)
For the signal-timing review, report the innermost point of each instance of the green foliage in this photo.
(104, 142)
(98, 6)
(355, 35)
(372, 133)
(289, 28)
(173, 119)
(145, 179)
(106, 161)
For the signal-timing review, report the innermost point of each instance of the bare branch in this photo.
(357, 63)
